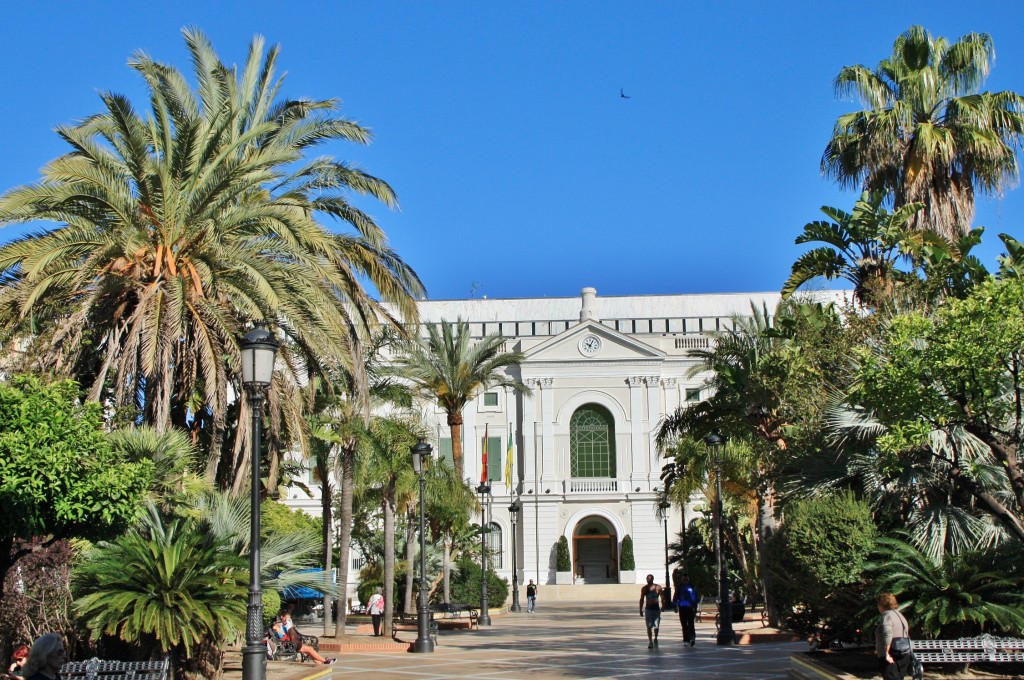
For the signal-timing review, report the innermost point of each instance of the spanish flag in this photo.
(483, 468)
(508, 461)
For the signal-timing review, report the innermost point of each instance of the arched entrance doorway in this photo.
(595, 549)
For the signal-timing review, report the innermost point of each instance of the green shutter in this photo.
(495, 456)
(446, 450)
(490, 398)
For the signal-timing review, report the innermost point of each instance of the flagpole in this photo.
(484, 489)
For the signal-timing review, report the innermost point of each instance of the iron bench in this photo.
(99, 669)
(708, 605)
(455, 610)
(984, 648)
(283, 649)
(410, 622)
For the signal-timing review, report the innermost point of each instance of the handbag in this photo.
(900, 647)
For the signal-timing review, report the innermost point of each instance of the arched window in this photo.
(494, 552)
(592, 442)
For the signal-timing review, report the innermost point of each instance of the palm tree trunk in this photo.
(389, 558)
(455, 423)
(328, 534)
(446, 569)
(410, 559)
(348, 469)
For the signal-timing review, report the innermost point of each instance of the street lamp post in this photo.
(725, 632)
(420, 454)
(259, 349)
(513, 513)
(485, 618)
(667, 600)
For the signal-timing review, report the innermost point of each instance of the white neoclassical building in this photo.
(603, 372)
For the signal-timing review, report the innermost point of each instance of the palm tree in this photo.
(862, 247)
(927, 135)
(176, 228)
(448, 368)
(449, 505)
(389, 472)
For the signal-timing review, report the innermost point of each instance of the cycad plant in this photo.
(167, 587)
(960, 595)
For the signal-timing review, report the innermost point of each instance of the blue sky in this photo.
(520, 170)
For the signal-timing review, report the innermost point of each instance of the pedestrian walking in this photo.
(892, 640)
(531, 597)
(687, 599)
(650, 609)
(375, 606)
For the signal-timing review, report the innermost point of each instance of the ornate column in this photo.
(650, 422)
(637, 444)
(548, 470)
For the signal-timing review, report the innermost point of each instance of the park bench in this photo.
(984, 648)
(283, 649)
(99, 669)
(453, 610)
(410, 622)
(708, 606)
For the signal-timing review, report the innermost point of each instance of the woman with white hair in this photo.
(45, 658)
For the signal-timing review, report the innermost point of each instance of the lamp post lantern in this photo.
(259, 350)
(484, 490)
(725, 632)
(666, 602)
(420, 454)
(513, 513)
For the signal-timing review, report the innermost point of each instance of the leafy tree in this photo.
(927, 134)
(59, 475)
(1011, 264)
(958, 596)
(448, 506)
(816, 560)
(449, 369)
(626, 561)
(175, 229)
(276, 519)
(562, 560)
(466, 584)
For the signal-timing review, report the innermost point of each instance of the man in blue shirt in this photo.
(686, 599)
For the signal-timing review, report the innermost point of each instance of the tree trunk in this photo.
(326, 500)
(455, 423)
(410, 558)
(446, 569)
(348, 469)
(389, 558)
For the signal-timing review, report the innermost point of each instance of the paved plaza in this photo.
(588, 640)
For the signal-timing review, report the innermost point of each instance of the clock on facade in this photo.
(590, 345)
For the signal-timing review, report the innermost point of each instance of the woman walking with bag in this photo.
(892, 640)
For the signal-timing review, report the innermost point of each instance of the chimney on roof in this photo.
(588, 312)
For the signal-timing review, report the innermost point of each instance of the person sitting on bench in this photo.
(284, 628)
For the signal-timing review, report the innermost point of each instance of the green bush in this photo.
(562, 561)
(271, 606)
(815, 564)
(465, 586)
(626, 561)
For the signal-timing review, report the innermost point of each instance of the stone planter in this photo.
(563, 578)
(627, 576)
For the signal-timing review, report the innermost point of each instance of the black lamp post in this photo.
(682, 534)
(666, 602)
(485, 618)
(259, 350)
(420, 454)
(513, 513)
(725, 632)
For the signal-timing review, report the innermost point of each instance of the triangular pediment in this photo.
(592, 341)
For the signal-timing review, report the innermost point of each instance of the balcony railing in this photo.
(592, 485)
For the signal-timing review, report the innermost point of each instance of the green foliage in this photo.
(816, 560)
(163, 586)
(962, 595)
(626, 561)
(59, 475)
(562, 561)
(271, 606)
(276, 519)
(465, 585)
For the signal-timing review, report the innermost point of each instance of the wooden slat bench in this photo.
(409, 622)
(708, 606)
(985, 649)
(457, 611)
(99, 669)
(283, 649)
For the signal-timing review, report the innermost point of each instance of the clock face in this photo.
(590, 345)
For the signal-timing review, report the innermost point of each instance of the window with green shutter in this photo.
(490, 398)
(445, 452)
(495, 457)
(592, 442)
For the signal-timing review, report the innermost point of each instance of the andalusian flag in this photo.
(483, 468)
(508, 460)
